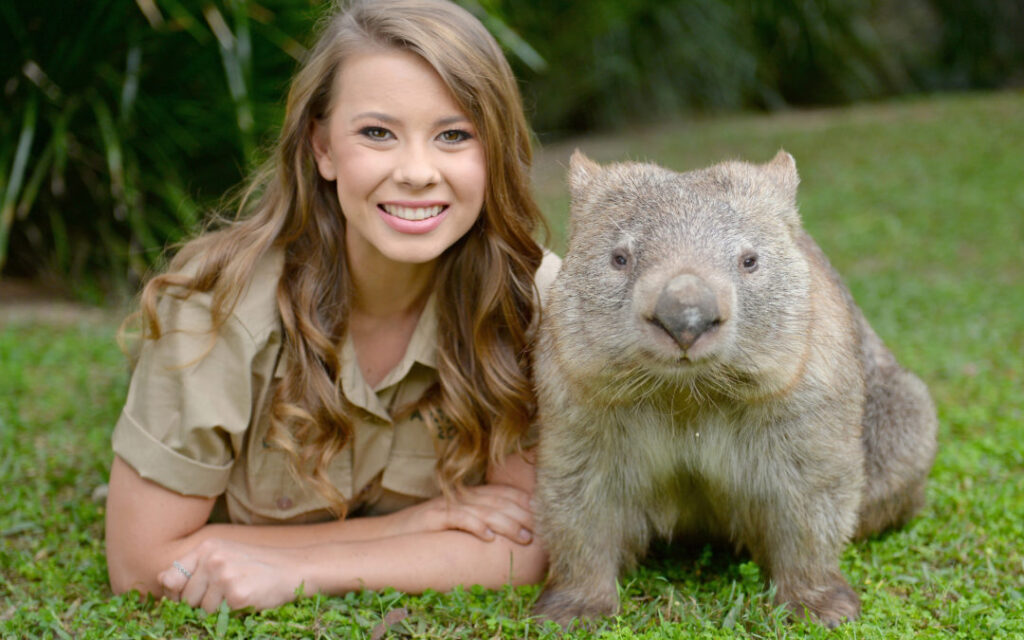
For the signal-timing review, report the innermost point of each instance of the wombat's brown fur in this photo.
(703, 370)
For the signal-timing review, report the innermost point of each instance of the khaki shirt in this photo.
(197, 424)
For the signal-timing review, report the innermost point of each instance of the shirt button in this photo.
(284, 503)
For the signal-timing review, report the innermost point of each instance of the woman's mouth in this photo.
(412, 220)
(412, 213)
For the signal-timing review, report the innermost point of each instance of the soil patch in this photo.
(30, 302)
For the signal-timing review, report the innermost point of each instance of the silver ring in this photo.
(181, 568)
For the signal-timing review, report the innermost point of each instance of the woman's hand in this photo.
(484, 511)
(243, 575)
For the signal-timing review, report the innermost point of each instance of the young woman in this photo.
(333, 392)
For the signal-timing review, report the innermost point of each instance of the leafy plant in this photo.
(616, 61)
(127, 121)
(125, 128)
(626, 61)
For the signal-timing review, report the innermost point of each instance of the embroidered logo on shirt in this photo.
(445, 427)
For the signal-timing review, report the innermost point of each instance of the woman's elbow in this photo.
(119, 584)
(528, 564)
(124, 577)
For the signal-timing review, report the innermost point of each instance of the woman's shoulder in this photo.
(255, 311)
(546, 273)
(256, 308)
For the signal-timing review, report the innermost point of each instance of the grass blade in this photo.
(181, 18)
(236, 57)
(130, 88)
(17, 175)
(504, 34)
(28, 194)
(111, 147)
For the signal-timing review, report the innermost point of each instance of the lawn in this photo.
(919, 203)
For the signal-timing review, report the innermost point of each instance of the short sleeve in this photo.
(190, 400)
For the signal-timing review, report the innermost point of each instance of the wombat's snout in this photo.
(686, 309)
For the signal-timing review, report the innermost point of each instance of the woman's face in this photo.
(409, 167)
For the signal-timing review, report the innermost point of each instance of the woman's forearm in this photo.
(412, 563)
(245, 575)
(302, 535)
(149, 527)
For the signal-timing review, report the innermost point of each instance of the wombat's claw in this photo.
(831, 607)
(565, 608)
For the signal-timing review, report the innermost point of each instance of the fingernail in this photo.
(489, 534)
(525, 535)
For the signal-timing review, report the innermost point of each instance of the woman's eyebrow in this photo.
(388, 119)
(375, 115)
(450, 120)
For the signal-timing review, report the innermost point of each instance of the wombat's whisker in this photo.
(626, 385)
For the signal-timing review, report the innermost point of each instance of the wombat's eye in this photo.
(620, 259)
(749, 262)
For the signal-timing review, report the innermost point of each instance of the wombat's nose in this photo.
(686, 309)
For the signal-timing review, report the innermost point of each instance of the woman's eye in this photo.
(375, 133)
(453, 136)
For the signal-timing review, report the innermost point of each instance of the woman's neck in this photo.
(386, 306)
(383, 288)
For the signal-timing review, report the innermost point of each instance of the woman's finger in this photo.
(495, 497)
(213, 597)
(172, 582)
(174, 578)
(490, 518)
(500, 492)
(196, 587)
(463, 518)
(512, 528)
(507, 506)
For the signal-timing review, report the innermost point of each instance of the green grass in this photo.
(920, 204)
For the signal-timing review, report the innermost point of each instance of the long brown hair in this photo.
(485, 291)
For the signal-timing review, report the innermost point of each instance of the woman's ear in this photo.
(320, 138)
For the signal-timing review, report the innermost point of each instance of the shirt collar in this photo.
(422, 349)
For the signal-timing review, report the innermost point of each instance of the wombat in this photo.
(703, 371)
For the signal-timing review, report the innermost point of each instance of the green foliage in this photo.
(981, 45)
(917, 204)
(129, 118)
(125, 122)
(615, 61)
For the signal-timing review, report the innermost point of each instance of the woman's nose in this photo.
(415, 167)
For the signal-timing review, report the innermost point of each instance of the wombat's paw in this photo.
(564, 606)
(831, 604)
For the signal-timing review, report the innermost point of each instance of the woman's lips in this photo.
(413, 219)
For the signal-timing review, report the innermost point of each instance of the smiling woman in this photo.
(414, 167)
(354, 345)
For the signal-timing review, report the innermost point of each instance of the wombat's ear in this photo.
(581, 171)
(782, 172)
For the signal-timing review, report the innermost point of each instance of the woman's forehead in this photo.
(380, 81)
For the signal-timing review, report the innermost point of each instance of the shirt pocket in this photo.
(266, 491)
(272, 494)
(411, 466)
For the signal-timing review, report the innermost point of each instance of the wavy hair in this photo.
(484, 402)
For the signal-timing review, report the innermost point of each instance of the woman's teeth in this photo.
(412, 213)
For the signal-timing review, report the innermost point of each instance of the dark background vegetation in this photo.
(124, 122)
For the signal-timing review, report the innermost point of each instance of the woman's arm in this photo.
(262, 577)
(148, 527)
